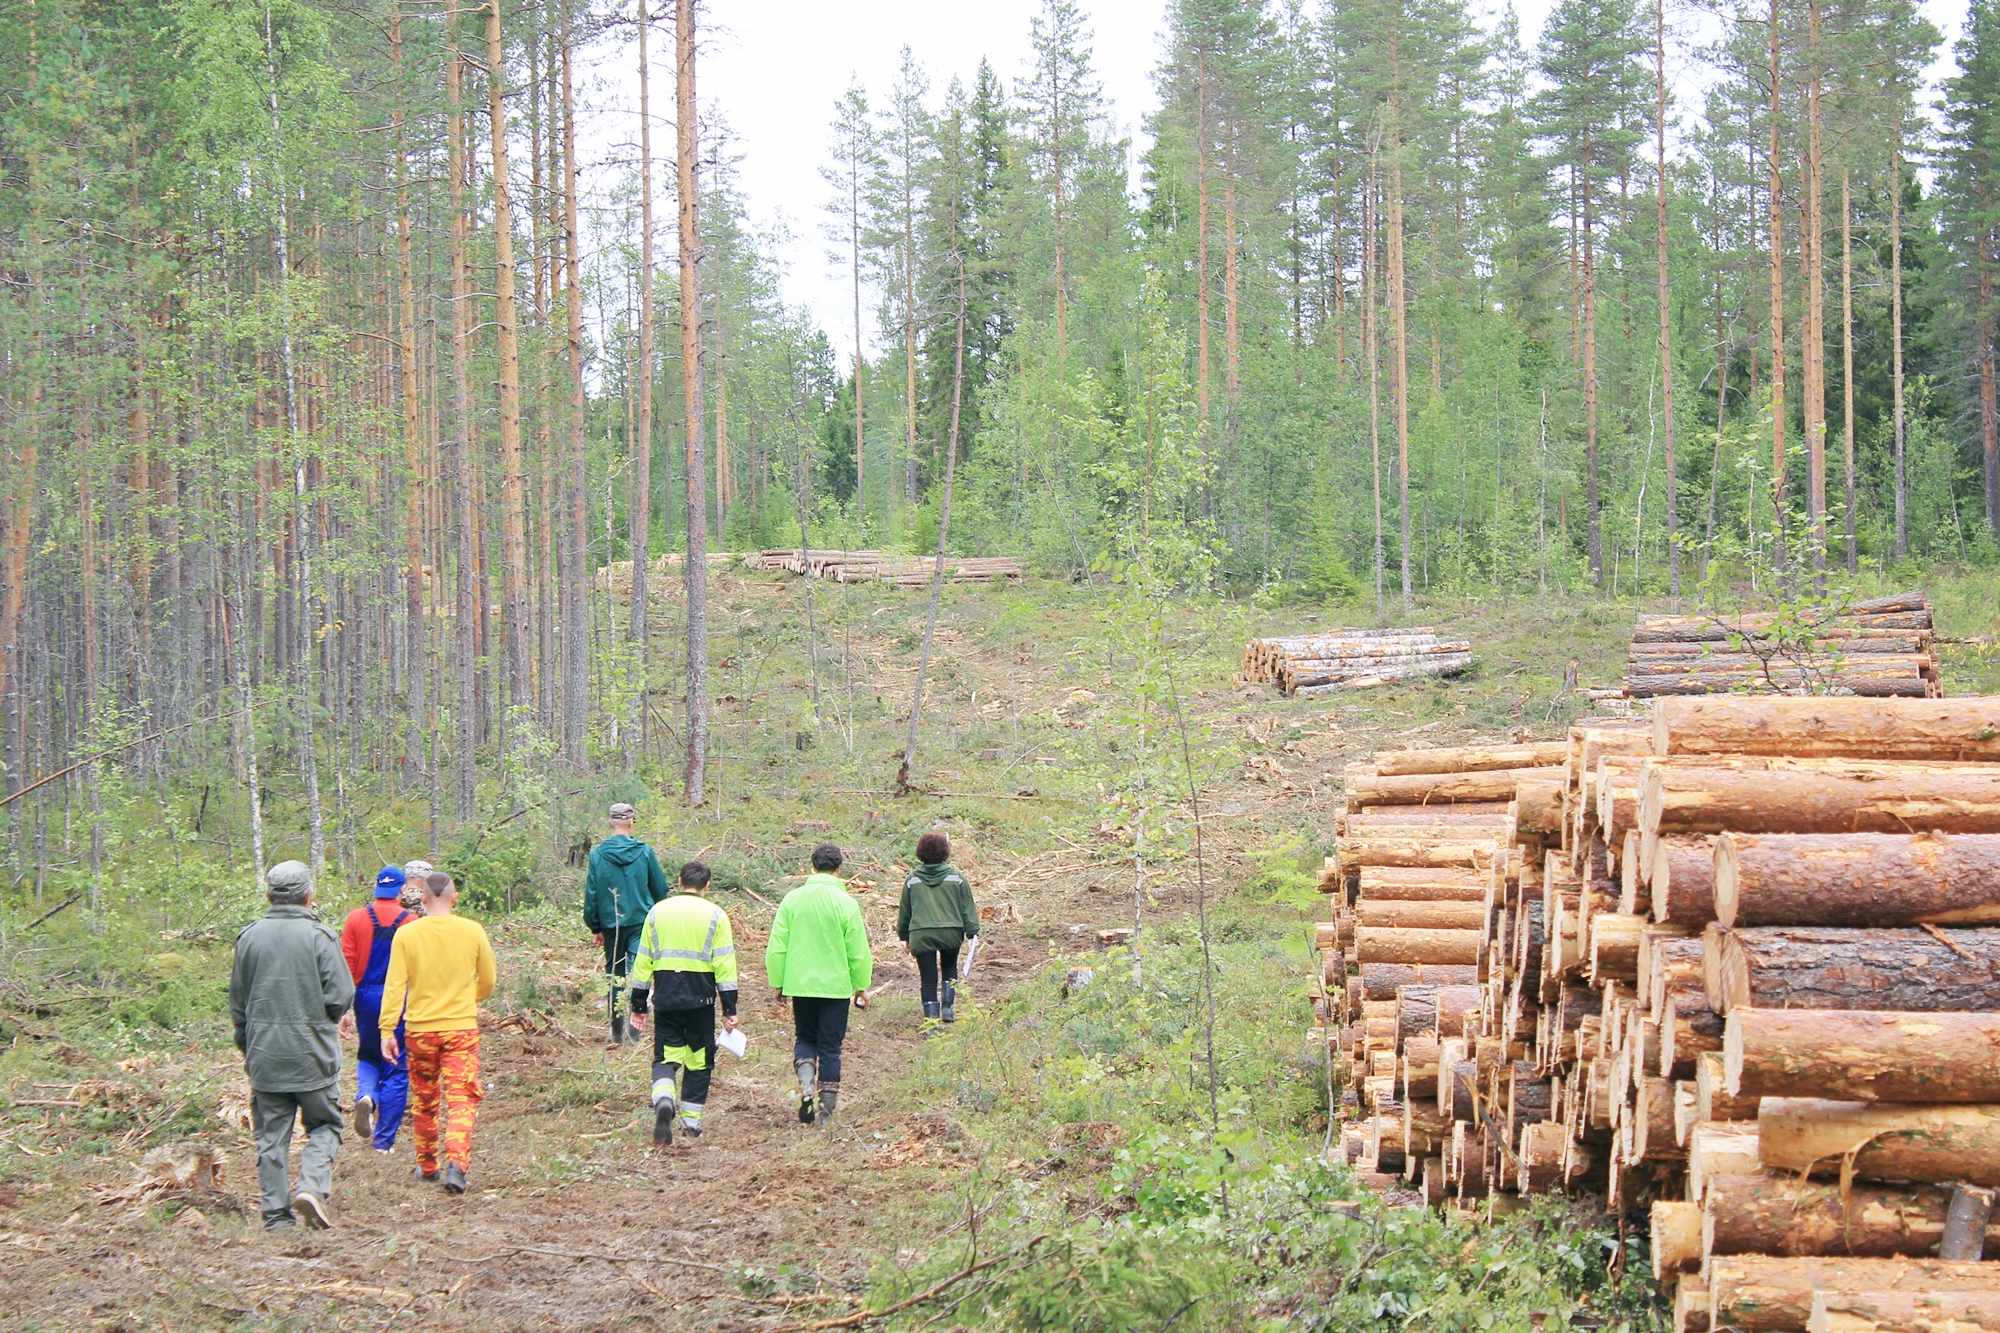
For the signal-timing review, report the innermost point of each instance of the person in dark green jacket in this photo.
(935, 918)
(624, 882)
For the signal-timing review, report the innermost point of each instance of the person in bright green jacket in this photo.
(818, 958)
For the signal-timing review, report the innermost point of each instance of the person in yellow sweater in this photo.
(440, 968)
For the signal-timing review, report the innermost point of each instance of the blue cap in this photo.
(389, 884)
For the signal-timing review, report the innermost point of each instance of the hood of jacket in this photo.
(621, 849)
(933, 875)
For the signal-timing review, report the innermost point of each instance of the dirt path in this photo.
(574, 1218)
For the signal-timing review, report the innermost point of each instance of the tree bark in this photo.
(1777, 311)
(1666, 338)
(1857, 879)
(687, 150)
(1832, 968)
(413, 441)
(1865, 1055)
(1427, 788)
(1415, 850)
(1423, 915)
(465, 622)
(1373, 944)
(1896, 320)
(639, 504)
(1432, 886)
(576, 535)
(1847, 356)
(1989, 402)
(1471, 758)
(514, 477)
(1832, 728)
(1766, 1294)
(1903, 1312)
(1398, 319)
(1381, 981)
(1772, 1215)
(1856, 796)
(1924, 1143)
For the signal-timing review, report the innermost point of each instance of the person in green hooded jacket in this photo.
(818, 958)
(624, 882)
(935, 918)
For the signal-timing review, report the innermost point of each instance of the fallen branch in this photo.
(72, 899)
(860, 1317)
(580, 1255)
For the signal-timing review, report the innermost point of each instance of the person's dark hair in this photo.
(439, 883)
(933, 849)
(826, 858)
(694, 874)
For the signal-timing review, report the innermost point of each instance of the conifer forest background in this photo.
(337, 366)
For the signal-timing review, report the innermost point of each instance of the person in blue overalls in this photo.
(381, 1087)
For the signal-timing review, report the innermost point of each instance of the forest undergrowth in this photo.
(1055, 1159)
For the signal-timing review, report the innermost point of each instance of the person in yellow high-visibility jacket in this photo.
(685, 960)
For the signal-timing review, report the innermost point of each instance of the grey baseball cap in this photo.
(288, 882)
(622, 810)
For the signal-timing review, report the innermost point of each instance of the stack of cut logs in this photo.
(1351, 659)
(875, 567)
(1733, 962)
(1881, 648)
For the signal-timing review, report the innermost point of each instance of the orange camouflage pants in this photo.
(444, 1064)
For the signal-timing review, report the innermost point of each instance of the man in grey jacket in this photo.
(287, 992)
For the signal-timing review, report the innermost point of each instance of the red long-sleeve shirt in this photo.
(358, 935)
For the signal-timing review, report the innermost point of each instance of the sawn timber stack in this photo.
(1684, 965)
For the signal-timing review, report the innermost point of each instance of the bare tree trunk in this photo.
(303, 693)
(1666, 334)
(464, 775)
(1896, 321)
(1777, 314)
(854, 263)
(1399, 384)
(944, 516)
(1847, 353)
(1813, 349)
(639, 512)
(1989, 409)
(1371, 342)
(1591, 502)
(413, 444)
(576, 536)
(687, 146)
(1201, 242)
(514, 477)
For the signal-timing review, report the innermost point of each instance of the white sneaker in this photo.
(364, 1118)
(311, 1209)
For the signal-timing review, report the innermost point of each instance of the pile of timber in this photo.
(875, 567)
(1351, 659)
(1735, 964)
(1883, 648)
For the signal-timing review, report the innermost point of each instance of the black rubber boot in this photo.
(663, 1123)
(808, 1075)
(454, 1178)
(930, 1012)
(950, 997)
(621, 1031)
(829, 1100)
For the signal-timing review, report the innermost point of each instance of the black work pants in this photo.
(821, 1027)
(686, 1037)
(929, 964)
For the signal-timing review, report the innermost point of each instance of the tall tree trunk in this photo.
(1812, 259)
(1777, 314)
(1896, 321)
(854, 265)
(1231, 325)
(576, 534)
(944, 512)
(466, 626)
(1201, 242)
(1666, 326)
(1847, 354)
(1595, 544)
(1399, 384)
(909, 337)
(413, 443)
(639, 510)
(687, 146)
(1370, 339)
(514, 477)
(304, 694)
(1989, 409)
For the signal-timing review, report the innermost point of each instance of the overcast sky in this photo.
(776, 67)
